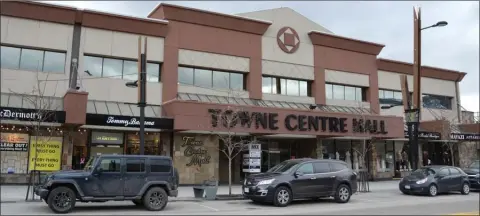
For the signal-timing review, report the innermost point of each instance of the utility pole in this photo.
(142, 86)
(417, 93)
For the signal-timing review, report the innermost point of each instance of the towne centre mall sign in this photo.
(271, 121)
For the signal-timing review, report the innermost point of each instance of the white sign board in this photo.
(252, 162)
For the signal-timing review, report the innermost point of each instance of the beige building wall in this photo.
(120, 45)
(194, 173)
(25, 33)
(391, 81)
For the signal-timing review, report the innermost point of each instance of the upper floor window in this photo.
(32, 59)
(119, 68)
(211, 78)
(436, 101)
(343, 92)
(387, 96)
(291, 87)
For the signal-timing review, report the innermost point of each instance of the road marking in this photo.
(467, 213)
(211, 208)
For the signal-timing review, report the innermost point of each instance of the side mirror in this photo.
(298, 173)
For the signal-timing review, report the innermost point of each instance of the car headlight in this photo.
(266, 182)
(422, 181)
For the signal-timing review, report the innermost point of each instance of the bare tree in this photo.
(361, 152)
(43, 107)
(231, 142)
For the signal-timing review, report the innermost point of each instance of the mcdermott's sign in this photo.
(21, 114)
(294, 122)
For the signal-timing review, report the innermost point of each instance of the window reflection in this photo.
(93, 65)
(342, 92)
(338, 92)
(10, 57)
(267, 85)
(389, 96)
(31, 60)
(303, 88)
(210, 79)
(350, 93)
(112, 68)
(289, 87)
(329, 91)
(436, 101)
(292, 87)
(221, 80)
(153, 72)
(120, 69)
(54, 62)
(185, 75)
(202, 78)
(130, 70)
(236, 81)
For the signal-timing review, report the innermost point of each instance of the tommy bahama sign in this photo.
(271, 121)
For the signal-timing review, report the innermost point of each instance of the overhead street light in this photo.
(438, 24)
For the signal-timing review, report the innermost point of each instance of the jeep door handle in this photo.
(313, 178)
(332, 176)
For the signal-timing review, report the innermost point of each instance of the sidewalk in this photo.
(16, 193)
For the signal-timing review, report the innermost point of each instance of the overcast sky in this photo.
(455, 46)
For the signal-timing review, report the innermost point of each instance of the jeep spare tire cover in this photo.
(177, 180)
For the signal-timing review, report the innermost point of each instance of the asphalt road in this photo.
(374, 203)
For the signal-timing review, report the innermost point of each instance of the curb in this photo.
(186, 199)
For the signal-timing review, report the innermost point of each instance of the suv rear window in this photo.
(135, 165)
(322, 167)
(159, 165)
(337, 167)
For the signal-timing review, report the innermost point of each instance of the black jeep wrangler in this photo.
(145, 180)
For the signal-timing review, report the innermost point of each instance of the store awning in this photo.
(31, 101)
(121, 109)
(269, 103)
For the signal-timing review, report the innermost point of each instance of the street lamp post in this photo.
(412, 114)
(141, 84)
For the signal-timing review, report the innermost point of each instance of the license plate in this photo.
(246, 190)
(407, 186)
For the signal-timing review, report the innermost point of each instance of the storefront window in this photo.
(152, 144)
(401, 156)
(79, 153)
(389, 163)
(343, 151)
(106, 143)
(381, 157)
(328, 149)
(360, 152)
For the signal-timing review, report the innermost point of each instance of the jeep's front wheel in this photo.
(61, 200)
(155, 199)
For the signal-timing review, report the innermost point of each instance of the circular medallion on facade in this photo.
(288, 40)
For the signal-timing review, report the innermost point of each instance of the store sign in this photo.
(252, 161)
(466, 137)
(21, 114)
(128, 121)
(230, 119)
(196, 151)
(14, 142)
(426, 135)
(107, 138)
(45, 153)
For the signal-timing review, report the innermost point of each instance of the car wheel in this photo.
(432, 190)
(155, 199)
(283, 196)
(465, 189)
(61, 200)
(137, 202)
(343, 194)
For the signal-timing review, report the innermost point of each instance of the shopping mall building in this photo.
(300, 90)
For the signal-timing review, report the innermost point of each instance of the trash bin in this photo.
(211, 188)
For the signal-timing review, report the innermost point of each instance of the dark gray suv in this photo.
(145, 180)
(302, 179)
